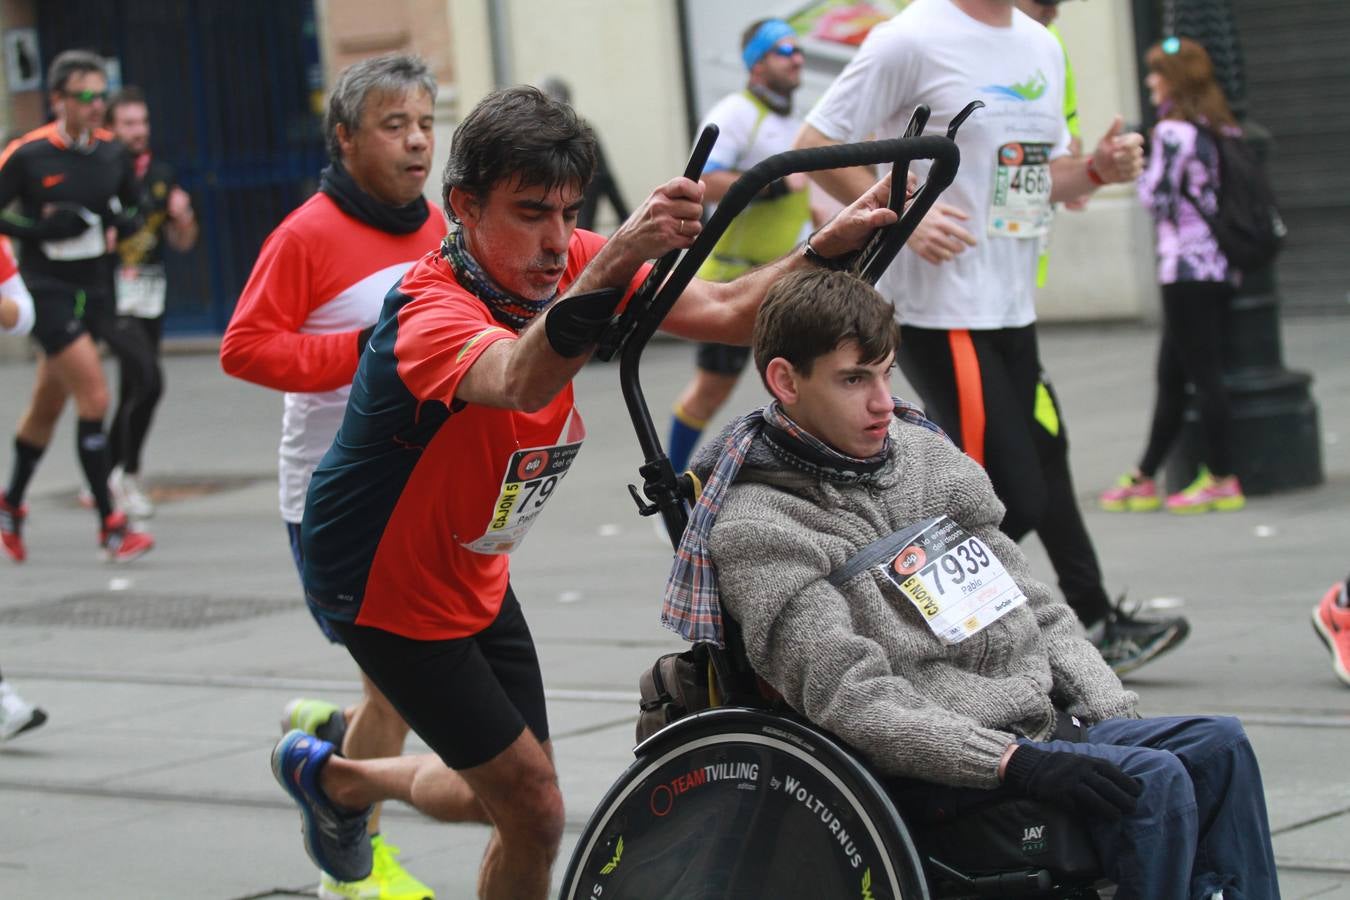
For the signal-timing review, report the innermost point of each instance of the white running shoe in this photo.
(17, 715)
(130, 496)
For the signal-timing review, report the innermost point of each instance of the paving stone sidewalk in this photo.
(164, 678)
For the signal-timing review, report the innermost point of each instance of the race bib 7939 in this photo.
(953, 579)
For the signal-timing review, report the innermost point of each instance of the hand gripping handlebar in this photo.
(631, 330)
(657, 294)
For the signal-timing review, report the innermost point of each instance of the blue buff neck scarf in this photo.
(506, 308)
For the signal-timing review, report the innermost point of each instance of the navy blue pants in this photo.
(1201, 824)
(298, 554)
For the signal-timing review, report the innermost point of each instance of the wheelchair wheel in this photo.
(737, 803)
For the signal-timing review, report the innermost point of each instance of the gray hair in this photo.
(73, 62)
(395, 73)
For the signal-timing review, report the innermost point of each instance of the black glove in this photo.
(575, 323)
(1084, 785)
(63, 222)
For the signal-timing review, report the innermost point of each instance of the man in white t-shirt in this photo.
(754, 124)
(965, 295)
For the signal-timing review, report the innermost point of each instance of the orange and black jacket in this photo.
(42, 169)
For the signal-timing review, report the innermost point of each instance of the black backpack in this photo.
(1248, 226)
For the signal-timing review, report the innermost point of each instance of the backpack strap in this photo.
(761, 113)
(1194, 201)
(875, 553)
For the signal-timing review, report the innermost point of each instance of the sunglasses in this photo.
(87, 96)
(786, 49)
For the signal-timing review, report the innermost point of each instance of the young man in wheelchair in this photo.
(933, 652)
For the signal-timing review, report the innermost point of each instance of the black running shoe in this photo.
(1126, 643)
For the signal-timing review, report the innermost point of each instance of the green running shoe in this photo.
(388, 879)
(320, 718)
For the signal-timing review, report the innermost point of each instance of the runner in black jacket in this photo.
(74, 186)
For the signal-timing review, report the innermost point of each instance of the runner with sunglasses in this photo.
(76, 188)
(755, 123)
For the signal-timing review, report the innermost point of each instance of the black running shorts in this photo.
(467, 698)
(62, 314)
(721, 359)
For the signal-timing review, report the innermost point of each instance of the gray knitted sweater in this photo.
(862, 663)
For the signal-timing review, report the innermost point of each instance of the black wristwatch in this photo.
(836, 263)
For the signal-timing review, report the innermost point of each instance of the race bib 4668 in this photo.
(1020, 207)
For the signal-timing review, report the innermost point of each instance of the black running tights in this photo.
(1190, 353)
(135, 342)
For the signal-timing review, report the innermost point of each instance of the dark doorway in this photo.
(235, 94)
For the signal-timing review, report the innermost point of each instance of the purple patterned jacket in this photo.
(1187, 251)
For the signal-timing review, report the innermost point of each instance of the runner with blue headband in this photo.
(766, 38)
(755, 123)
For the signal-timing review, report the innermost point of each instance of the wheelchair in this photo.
(747, 799)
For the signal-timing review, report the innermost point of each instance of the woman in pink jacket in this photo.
(1180, 183)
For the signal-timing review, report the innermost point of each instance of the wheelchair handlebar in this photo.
(622, 326)
(899, 151)
(631, 333)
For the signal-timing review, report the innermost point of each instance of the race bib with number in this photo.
(532, 475)
(953, 580)
(1021, 200)
(88, 244)
(141, 291)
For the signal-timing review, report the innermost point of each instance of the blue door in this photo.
(235, 92)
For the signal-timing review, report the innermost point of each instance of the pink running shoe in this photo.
(1332, 624)
(1208, 494)
(1132, 493)
(11, 529)
(120, 543)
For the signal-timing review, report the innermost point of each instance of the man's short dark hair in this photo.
(73, 62)
(809, 314)
(393, 73)
(520, 134)
(125, 97)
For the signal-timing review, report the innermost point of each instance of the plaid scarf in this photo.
(507, 308)
(691, 605)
